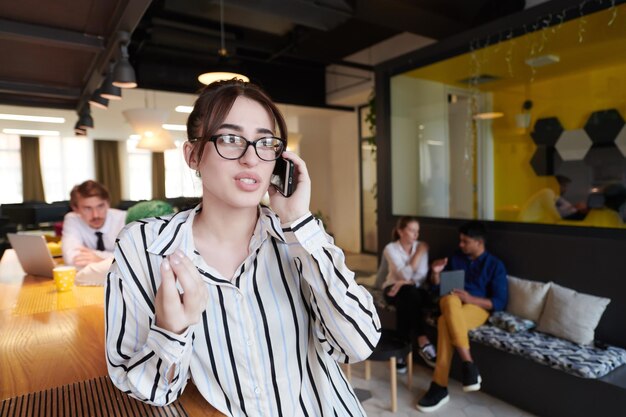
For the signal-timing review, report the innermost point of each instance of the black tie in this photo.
(100, 244)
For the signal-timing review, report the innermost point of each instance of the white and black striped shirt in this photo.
(269, 340)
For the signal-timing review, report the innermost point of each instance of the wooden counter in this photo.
(50, 339)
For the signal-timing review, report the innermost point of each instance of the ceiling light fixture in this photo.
(108, 90)
(488, 115)
(184, 109)
(79, 131)
(176, 128)
(542, 60)
(98, 101)
(124, 73)
(26, 118)
(85, 121)
(222, 72)
(32, 132)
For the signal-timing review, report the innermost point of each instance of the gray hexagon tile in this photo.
(572, 145)
(547, 131)
(620, 141)
(545, 160)
(603, 126)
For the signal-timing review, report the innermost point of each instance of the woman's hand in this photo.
(297, 205)
(174, 311)
(396, 287)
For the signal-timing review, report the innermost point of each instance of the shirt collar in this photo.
(179, 226)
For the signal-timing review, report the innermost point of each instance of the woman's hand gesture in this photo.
(175, 312)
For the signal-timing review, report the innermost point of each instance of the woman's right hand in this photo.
(175, 312)
(437, 266)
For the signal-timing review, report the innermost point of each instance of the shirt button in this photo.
(257, 390)
(249, 342)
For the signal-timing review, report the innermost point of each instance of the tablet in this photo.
(451, 280)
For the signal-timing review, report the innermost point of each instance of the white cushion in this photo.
(571, 315)
(526, 298)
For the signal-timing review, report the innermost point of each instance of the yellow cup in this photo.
(64, 277)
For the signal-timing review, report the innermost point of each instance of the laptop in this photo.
(451, 280)
(33, 254)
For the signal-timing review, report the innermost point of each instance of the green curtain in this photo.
(158, 176)
(107, 161)
(32, 182)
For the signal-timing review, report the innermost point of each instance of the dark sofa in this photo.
(589, 260)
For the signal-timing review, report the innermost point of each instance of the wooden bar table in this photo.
(50, 339)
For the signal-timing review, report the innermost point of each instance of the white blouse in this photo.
(269, 340)
(399, 267)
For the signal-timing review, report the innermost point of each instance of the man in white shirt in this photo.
(90, 229)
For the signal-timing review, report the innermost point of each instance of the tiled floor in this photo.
(475, 404)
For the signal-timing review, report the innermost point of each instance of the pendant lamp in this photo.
(222, 70)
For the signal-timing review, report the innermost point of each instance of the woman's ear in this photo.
(190, 156)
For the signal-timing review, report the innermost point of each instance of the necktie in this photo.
(100, 244)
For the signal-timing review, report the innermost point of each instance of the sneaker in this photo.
(428, 354)
(401, 366)
(435, 397)
(471, 377)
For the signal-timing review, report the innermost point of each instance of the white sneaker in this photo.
(428, 354)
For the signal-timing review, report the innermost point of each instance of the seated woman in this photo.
(408, 267)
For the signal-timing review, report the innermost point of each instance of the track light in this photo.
(98, 101)
(124, 74)
(85, 120)
(79, 131)
(108, 90)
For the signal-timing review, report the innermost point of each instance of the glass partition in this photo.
(527, 128)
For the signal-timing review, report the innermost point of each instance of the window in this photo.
(180, 180)
(65, 162)
(10, 169)
(139, 173)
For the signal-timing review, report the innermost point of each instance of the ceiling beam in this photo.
(39, 90)
(43, 35)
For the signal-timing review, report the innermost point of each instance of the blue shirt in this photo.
(485, 277)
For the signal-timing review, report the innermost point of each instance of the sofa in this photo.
(542, 355)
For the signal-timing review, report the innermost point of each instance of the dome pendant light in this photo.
(221, 72)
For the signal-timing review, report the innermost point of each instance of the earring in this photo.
(198, 174)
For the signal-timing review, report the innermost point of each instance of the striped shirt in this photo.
(270, 338)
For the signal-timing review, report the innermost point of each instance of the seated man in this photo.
(486, 290)
(90, 229)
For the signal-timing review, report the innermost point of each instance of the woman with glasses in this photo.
(255, 304)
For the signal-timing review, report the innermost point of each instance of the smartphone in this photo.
(282, 177)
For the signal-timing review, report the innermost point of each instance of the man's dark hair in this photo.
(475, 230)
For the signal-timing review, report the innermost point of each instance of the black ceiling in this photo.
(54, 53)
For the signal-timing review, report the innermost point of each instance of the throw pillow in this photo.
(510, 323)
(571, 315)
(526, 298)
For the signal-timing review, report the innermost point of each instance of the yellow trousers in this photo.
(455, 321)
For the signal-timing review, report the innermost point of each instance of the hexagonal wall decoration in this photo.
(545, 160)
(573, 145)
(620, 141)
(603, 126)
(547, 131)
(607, 163)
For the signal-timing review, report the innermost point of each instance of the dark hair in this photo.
(214, 103)
(401, 224)
(474, 229)
(88, 189)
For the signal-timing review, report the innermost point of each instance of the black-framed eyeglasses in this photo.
(230, 146)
